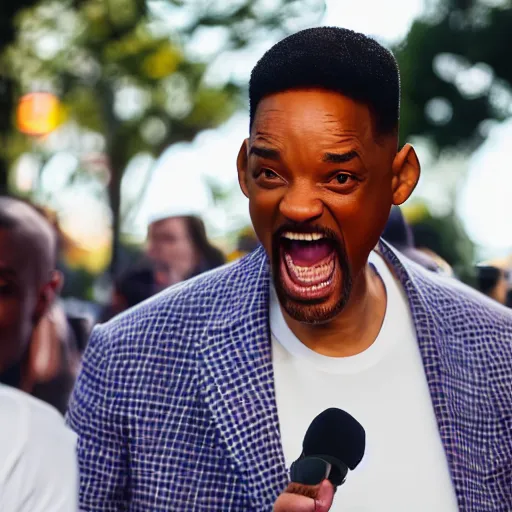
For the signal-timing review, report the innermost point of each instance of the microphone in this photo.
(333, 444)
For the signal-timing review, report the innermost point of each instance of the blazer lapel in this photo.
(452, 385)
(236, 374)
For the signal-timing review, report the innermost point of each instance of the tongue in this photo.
(308, 254)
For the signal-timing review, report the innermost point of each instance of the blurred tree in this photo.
(456, 74)
(137, 76)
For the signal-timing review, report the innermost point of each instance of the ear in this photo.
(242, 163)
(406, 173)
(47, 294)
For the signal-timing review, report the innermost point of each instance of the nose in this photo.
(300, 204)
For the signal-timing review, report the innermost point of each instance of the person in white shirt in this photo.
(385, 388)
(38, 467)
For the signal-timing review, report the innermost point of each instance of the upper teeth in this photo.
(310, 237)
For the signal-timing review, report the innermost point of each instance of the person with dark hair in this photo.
(200, 398)
(246, 243)
(133, 286)
(179, 248)
(493, 282)
(400, 235)
(38, 469)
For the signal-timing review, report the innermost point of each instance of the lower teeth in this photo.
(318, 286)
(300, 274)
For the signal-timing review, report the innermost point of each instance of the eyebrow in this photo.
(273, 154)
(270, 154)
(340, 158)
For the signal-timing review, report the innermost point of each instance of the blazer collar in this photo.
(452, 383)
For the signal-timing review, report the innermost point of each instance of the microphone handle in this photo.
(307, 473)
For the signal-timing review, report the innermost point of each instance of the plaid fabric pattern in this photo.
(175, 406)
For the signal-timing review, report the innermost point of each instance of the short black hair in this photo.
(136, 285)
(335, 59)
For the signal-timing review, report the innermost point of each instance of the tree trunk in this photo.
(6, 109)
(114, 193)
(117, 162)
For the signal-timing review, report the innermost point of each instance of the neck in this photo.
(355, 328)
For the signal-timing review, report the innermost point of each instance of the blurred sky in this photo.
(179, 174)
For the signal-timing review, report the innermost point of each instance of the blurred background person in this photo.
(133, 286)
(37, 352)
(399, 234)
(179, 248)
(247, 241)
(494, 282)
(428, 241)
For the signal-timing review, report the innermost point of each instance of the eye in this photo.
(267, 178)
(343, 182)
(268, 174)
(342, 179)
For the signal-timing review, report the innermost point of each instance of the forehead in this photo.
(171, 225)
(313, 114)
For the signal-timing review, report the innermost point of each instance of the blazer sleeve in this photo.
(95, 417)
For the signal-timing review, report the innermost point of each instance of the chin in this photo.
(313, 312)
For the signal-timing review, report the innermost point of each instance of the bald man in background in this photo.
(38, 470)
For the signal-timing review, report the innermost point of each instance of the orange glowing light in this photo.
(39, 113)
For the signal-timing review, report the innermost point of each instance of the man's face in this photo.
(171, 250)
(18, 298)
(320, 187)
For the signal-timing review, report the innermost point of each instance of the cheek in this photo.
(189, 251)
(264, 212)
(15, 320)
(362, 223)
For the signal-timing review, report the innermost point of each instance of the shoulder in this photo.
(456, 306)
(25, 412)
(196, 301)
(477, 330)
(462, 306)
(163, 332)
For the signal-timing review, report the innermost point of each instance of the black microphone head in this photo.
(336, 434)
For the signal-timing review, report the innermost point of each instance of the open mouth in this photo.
(308, 264)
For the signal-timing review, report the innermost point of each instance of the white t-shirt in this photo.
(38, 465)
(404, 468)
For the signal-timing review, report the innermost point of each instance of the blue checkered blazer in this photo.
(175, 407)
